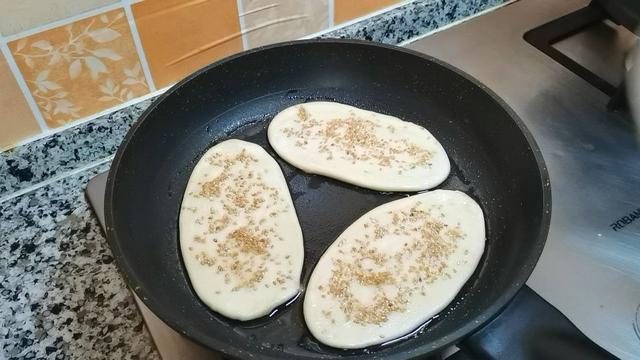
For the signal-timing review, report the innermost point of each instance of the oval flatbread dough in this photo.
(394, 268)
(361, 147)
(239, 234)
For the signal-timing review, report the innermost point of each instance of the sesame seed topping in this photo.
(426, 244)
(239, 225)
(356, 139)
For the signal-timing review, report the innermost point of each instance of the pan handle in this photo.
(529, 328)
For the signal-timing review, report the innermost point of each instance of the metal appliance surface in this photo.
(604, 39)
(590, 267)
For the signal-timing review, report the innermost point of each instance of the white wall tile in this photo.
(20, 15)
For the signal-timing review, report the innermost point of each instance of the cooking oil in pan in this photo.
(325, 208)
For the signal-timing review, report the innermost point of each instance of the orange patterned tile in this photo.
(17, 119)
(181, 36)
(269, 21)
(81, 68)
(345, 10)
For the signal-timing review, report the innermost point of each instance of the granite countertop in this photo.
(62, 296)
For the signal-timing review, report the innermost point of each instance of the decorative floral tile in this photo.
(81, 68)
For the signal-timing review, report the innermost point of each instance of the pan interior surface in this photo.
(492, 160)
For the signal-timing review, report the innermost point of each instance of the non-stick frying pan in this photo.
(494, 160)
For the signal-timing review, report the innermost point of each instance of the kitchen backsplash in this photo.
(66, 61)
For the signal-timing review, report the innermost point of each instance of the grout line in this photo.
(138, 44)
(64, 21)
(331, 5)
(22, 84)
(357, 20)
(56, 178)
(241, 13)
(457, 22)
(89, 118)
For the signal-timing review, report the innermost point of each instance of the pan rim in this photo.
(472, 324)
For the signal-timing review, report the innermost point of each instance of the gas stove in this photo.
(590, 267)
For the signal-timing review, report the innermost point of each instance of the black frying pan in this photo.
(494, 159)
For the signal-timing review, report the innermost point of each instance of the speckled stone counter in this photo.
(61, 295)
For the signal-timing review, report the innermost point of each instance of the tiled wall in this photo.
(66, 61)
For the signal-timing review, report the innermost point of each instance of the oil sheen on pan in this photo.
(239, 233)
(394, 268)
(360, 147)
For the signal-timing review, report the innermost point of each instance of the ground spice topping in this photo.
(356, 139)
(239, 235)
(426, 244)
